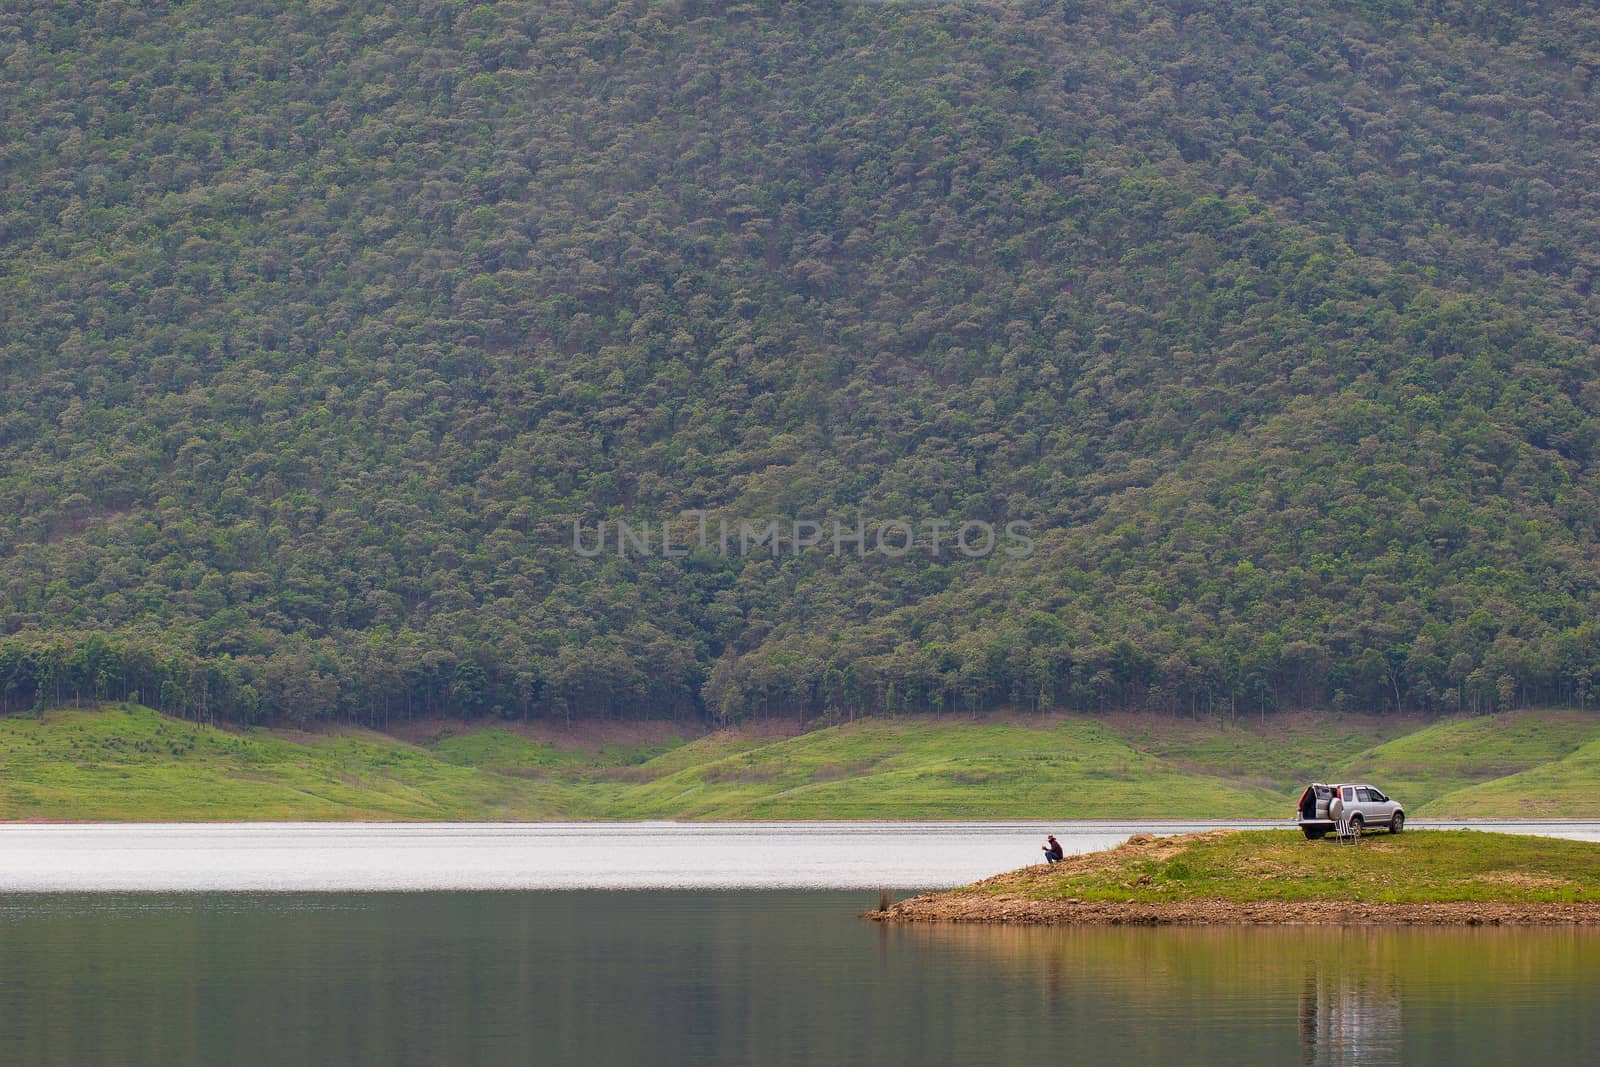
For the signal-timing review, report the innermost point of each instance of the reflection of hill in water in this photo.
(1356, 995)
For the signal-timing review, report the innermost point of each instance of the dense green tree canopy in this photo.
(322, 324)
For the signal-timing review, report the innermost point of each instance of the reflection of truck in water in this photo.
(1346, 1020)
(1322, 807)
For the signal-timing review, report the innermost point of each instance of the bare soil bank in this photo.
(944, 907)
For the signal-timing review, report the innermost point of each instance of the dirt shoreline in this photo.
(1020, 911)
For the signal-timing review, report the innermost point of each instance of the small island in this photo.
(1277, 877)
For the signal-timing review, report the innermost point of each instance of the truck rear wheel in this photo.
(1314, 833)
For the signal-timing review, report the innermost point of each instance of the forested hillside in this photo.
(321, 325)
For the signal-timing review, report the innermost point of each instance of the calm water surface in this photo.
(376, 856)
(485, 944)
(750, 977)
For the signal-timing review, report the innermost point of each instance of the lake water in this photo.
(602, 978)
(505, 962)
(428, 856)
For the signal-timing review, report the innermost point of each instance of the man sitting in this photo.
(1053, 852)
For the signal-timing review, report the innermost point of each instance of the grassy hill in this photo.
(1563, 788)
(908, 769)
(131, 763)
(1440, 765)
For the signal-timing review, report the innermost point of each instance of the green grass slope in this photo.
(1074, 768)
(510, 753)
(1439, 760)
(1280, 754)
(1564, 788)
(131, 763)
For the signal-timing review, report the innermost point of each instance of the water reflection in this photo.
(1348, 1019)
(1356, 995)
(740, 978)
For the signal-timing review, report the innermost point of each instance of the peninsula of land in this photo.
(1277, 877)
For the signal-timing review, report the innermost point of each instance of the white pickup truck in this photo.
(1363, 807)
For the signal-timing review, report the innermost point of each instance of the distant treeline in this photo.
(389, 680)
